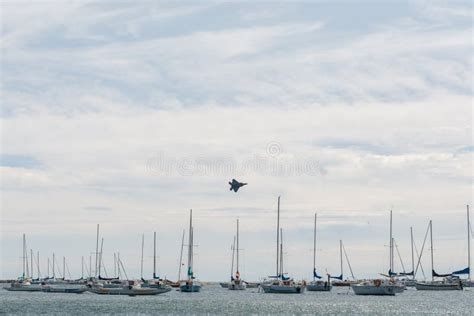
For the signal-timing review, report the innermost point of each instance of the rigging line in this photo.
(124, 272)
(348, 262)
(422, 248)
(421, 266)
(103, 266)
(50, 265)
(56, 266)
(87, 270)
(399, 256)
(68, 272)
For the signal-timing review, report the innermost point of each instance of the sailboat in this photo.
(236, 282)
(447, 284)
(155, 282)
(340, 279)
(191, 284)
(317, 284)
(280, 283)
(467, 271)
(24, 282)
(178, 282)
(400, 286)
(388, 286)
(113, 286)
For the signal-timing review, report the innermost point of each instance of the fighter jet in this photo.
(235, 185)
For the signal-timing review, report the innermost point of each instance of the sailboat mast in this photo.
(391, 245)
(141, 265)
(24, 255)
(27, 264)
(38, 263)
(281, 253)
(237, 268)
(47, 268)
(54, 275)
(192, 250)
(31, 267)
(431, 237)
(314, 243)
(190, 246)
(232, 264)
(96, 251)
(82, 267)
(90, 266)
(340, 253)
(181, 255)
(64, 268)
(100, 254)
(468, 244)
(412, 254)
(118, 265)
(154, 255)
(278, 238)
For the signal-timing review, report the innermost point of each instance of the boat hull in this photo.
(467, 283)
(23, 288)
(438, 286)
(410, 283)
(127, 291)
(160, 287)
(189, 288)
(383, 290)
(341, 283)
(237, 286)
(319, 287)
(252, 285)
(64, 290)
(281, 289)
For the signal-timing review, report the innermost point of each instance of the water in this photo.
(216, 300)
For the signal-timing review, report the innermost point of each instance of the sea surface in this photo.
(218, 301)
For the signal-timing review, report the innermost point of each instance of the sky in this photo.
(128, 114)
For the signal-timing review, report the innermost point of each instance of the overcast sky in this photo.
(128, 114)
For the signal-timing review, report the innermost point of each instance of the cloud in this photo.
(94, 92)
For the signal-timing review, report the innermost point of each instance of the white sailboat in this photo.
(128, 287)
(388, 286)
(340, 279)
(191, 284)
(280, 283)
(317, 284)
(24, 282)
(375, 287)
(446, 284)
(155, 282)
(236, 282)
(400, 286)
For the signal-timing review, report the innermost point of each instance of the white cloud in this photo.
(385, 115)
